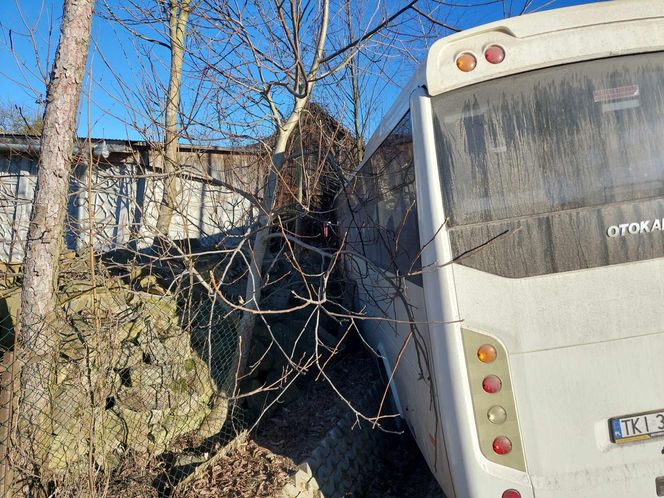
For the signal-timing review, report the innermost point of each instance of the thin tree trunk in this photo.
(352, 65)
(299, 180)
(255, 281)
(359, 142)
(37, 333)
(179, 13)
(284, 132)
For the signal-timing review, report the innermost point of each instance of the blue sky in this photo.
(115, 70)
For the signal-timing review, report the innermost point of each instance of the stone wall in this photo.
(133, 369)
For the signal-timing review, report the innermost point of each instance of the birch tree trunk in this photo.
(254, 289)
(36, 336)
(177, 22)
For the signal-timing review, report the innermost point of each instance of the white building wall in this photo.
(126, 202)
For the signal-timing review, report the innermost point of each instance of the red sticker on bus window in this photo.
(621, 92)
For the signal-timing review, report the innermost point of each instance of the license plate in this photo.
(637, 427)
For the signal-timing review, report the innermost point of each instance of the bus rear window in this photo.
(565, 137)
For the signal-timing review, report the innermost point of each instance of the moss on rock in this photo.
(125, 376)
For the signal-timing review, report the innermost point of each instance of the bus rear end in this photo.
(551, 194)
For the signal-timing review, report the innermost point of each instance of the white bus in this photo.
(508, 227)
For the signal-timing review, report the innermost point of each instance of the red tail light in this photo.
(511, 493)
(492, 384)
(502, 445)
(495, 54)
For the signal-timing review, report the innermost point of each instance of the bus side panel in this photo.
(388, 327)
(470, 474)
(405, 345)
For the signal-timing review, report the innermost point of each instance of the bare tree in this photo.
(177, 23)
(286, 52)
(45, 237)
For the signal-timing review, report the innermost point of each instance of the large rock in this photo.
(125, 376)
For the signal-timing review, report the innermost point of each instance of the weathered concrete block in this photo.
(314, 462)
(324, 449)
(301, 479)
(290, 491)
(312, 485)
(327, 489)
(344, 462)
(335, 433)
(306, 467)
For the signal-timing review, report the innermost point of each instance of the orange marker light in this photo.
(486, 353)
(466, 62)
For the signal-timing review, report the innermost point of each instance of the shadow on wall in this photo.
(120, 202)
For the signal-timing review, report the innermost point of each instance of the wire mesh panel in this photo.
(130, 383)
(135, 373)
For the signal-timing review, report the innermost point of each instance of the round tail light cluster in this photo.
(511, 493)
(486, 354)
(466, 61)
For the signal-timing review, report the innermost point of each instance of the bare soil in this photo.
(249, 471)
(296, 429)
(262, 467)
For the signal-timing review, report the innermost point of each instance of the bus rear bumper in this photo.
(634, 480)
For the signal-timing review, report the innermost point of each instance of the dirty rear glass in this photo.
(565, 137)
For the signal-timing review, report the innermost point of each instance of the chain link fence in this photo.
(132, 386)
(139, 377)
